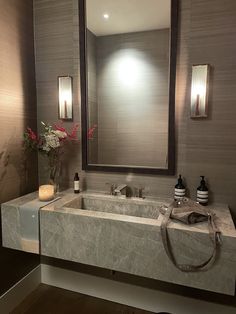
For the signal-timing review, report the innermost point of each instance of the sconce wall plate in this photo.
(65, 95)
(199, 91)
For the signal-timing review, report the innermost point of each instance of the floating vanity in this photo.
(124, 235)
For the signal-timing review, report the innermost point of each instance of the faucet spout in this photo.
(119, 189)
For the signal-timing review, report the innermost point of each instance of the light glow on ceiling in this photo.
(106, 16)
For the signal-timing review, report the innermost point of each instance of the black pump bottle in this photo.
(179, 189)
(202, 192)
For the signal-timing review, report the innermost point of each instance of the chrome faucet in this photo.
(119, 189)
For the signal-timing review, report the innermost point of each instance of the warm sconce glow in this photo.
(65, 97)
(199, 91)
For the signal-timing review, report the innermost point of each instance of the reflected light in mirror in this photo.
(128, 70)
(106, 16)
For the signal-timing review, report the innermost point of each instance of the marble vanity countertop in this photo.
(22, 199)
(108, 237)
(223, 216)
(223, 219)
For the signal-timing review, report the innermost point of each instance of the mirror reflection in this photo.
(128, 60)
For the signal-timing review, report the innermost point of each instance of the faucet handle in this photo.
(139, 192)
(112, 186)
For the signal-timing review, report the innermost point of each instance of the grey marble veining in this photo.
(117, 205)
(83, 230)
(124, 235)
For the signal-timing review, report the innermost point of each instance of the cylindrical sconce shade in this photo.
(65, 97)
(199, 91)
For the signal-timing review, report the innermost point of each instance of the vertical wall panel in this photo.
(56, 54)
(18, 170)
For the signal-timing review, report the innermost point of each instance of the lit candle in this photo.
(46, 193)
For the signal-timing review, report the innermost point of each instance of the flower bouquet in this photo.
(50, 143)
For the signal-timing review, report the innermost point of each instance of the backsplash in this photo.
(204, 147)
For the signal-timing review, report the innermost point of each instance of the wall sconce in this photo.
(199, 91)
(65, 97)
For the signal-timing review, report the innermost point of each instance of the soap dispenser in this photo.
(202, 192)
(179, 189)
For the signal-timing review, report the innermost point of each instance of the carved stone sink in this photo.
(117, 205)
(125, 235)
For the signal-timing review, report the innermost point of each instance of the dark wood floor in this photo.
(50, 300)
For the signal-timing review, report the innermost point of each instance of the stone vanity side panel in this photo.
(11, 227)
(10, 217)
(18, 109)
(135, 248)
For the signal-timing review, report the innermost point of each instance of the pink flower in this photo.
(31, 134)
(73, 134)
(91, 131)
(60, 128)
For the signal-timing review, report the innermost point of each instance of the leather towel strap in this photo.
(214, 236)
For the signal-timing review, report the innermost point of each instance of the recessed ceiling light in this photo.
(106, 16)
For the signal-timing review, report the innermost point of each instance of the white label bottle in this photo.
(202, 193)
(179, 189)
(76, 183)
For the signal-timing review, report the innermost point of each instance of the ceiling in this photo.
(126, 16)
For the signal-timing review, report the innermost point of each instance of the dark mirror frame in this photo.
(172, 79)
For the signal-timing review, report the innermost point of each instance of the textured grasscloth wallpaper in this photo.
(18, 173)
(207, 31)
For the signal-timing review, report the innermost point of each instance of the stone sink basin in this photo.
(124, 235)
(117, 205)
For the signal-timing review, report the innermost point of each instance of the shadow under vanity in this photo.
(123, 234)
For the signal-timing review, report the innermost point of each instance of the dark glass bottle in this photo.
(202, 192)
(179, 189)
(76, 183)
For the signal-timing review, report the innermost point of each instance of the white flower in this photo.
(46, 148)
(52, 141)
(60, 134)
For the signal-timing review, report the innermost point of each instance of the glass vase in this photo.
(54, 176)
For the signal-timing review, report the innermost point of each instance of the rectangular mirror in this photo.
(128, 66)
